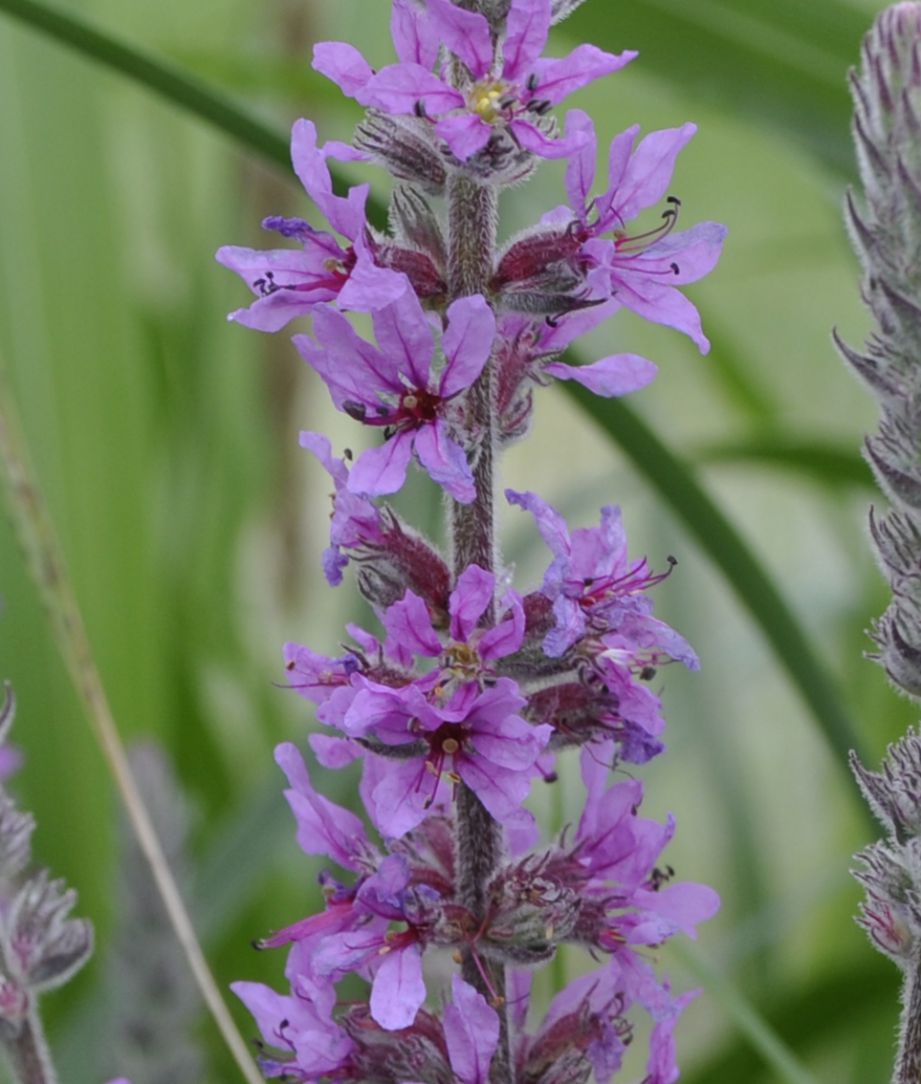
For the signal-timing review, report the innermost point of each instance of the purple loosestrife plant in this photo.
(464, 700)
(886, 230)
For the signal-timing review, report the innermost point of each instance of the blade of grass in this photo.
(827, 464)
(156, 73)
(36, 534)
(761, 1039)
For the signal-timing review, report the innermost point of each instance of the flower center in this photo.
(420, 405)
(487, 99)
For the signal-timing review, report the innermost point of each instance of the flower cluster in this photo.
(463, 699)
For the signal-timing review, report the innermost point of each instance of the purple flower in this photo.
(475, 737)
(471, 648)
(641, 269)
(392, 557)
(529, 348)
(310, 1044)
(290, 282)
(396, 387)
(597, 592)
(471, 1030)
(509, 90)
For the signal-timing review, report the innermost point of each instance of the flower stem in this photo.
(908, 1061)
(28, 1054)
(471, 242)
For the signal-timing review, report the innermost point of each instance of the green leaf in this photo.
(157, 74)
(822, 462)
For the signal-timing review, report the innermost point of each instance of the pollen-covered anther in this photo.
(487, 100)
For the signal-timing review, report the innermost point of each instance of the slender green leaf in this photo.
(822, 462)
(763, 1044)
(159, 75)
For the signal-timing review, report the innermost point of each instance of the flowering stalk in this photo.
(41, 948)
(472, 689)
(886, 230)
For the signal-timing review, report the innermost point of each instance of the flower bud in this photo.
(41, 945)
(894, 792)
(402, 145)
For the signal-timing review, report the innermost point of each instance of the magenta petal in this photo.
(466, 343)
(661, 304)
(382, 470)
(550, 523)
(464, 33)
(319, 446)
(414, 42)
(696, 252)
(266, 1007)
(556, 79)
(619, 374)
(409, 630)
(469, 600)
(471, 1030)
(370, 287)
(322, 826)
(398, 800)
(445, 461)
(405, 336)
(509, 742)
(399, 88)
(506, 638)
(465, 133)
(649, 172)
(526, 31)
(580, 173)
(334, 753)
(533, 139)
(499, 789)
(399, 990)
(343, 64)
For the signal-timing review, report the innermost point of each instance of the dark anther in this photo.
(267, 284)
(647, 673)
(355, 410)
(419, 109)
(541, 108)
(672, 560)
(675, 268)
(532, 82)
(552, 321)
(348, 454)
(551, 778)
(674, 200)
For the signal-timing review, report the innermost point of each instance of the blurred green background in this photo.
(166, 441)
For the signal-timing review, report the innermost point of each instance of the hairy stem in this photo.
(28, 1054)
(908, 1061)
(471, 240)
